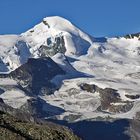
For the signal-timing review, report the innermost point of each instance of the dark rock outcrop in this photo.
(132, 96)
(108, 97)
(131, 36)
(35, 75)
(54, 46)
(88, 87)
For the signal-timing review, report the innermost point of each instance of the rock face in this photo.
(131, 36)
(54, 45)
(89, 88)
(35, 76)
(110, 98)
(133, 96)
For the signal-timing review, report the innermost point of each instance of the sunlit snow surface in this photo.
(114, 63)
(12, 95)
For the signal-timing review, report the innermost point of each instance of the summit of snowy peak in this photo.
(55, 33)
(56, 24)
(59, 23)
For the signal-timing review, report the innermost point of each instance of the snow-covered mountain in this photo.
(94, 77)
(58, 32)
(52, 35)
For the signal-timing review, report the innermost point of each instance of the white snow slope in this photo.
(114, 63)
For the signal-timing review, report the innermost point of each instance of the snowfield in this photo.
(114, 63)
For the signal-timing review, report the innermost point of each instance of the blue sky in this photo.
(96, 17)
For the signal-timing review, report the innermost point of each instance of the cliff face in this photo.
(36, 75)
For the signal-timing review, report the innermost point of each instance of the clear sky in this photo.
(96, 17)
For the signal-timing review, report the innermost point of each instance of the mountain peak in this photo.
(53, 35)
(57, 21)
(55, 24)
(57, 32)
(60, 24)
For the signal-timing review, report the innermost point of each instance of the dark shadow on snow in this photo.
(98, 130)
